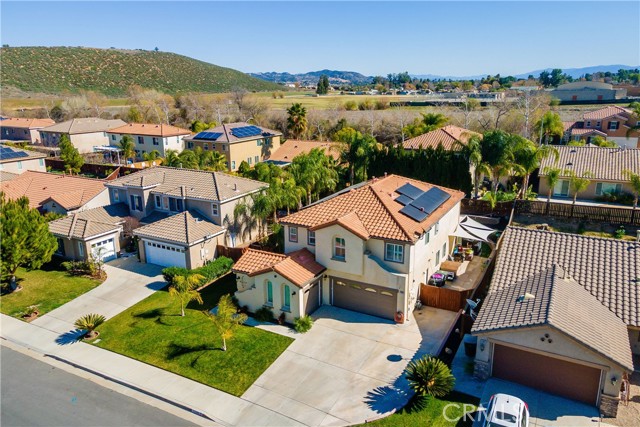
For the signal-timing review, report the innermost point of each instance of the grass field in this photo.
(48, 288)
(153, 332)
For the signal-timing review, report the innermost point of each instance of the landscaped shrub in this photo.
(620, 232)
(303, 324)
(264, 314)
(210, 272)
(430, 376)
(170, 272)
(621, 197)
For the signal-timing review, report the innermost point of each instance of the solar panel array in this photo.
(212, 136)
(8, 153)
(246, 131)
(419, 204)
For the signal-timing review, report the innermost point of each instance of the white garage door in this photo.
(165, 255)
(104, 249)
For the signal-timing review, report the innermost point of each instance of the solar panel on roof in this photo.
(403, 200)
(410, 191)
(414, 213)
(246, 131)
(208, 135)
(431, 200)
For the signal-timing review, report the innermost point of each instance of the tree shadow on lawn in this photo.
(386, 399)
(71, 337)
(158, 314)
(178, 350)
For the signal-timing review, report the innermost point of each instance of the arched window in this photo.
(286, 291)
(269, 286)
(339, 249)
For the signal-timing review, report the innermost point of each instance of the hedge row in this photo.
(211, 271)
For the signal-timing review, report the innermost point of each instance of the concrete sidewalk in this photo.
(220, 407)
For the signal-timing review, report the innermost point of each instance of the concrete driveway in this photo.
(347, 369)
(546, 410)
(128, 282)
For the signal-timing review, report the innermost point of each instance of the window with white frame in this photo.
(158, 200)
(444, 249)
(233, 164)
(19, 164)
(311, 238)
(588, 124)
(205, 146)
(257, 159)
(286, 298)
(249, 160)
(269, 293)
(141, 140)
(214, 209)
(165, 203)
(116, 195)
(613, 125)
(339, 249)
(394, 252)
(437, 257)
(259, 142)
(436, 228)
(293, 234)
(113, 137)
(136, 203)
(598, 124)
(607, 188)
(41, 162)
(224, 147)
(189, 145)
(427, 236)
(81, 248)
(156, 141)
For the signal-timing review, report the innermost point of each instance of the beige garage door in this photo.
(365, 298)
(571, 380)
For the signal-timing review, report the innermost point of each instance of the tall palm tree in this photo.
(184, 288)
(552, 177)
(634, 181)
(261, 208)
(127, 146)
(218, 162)
(291, 195)
(528, 156)
(472, 150)
(188, 159)
(433, 121)
(297, 120)
(577, 184)
(549, 125)
(171, 158)
(242, 214)
(496, 148)
(304, 173)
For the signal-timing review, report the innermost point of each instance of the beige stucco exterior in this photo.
(147, 143)
(196, 255)
(246, 150)
(589, 193)
(84, 142)
(22, 165)
(72, 245)
(100, 199)
(13, 133)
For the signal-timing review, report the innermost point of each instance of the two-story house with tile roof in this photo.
(562, 315)
(366, 248)
(148, 137)
(14, 160)
(238, 142)
(84, 133)
(186, 213)
(451, 137)
(611, 123)
(22, 129)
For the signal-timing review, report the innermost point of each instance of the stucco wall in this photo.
(199, 254)
(589, 193)
(72, 251)
(252, 292)
(29, 164)
(164, 143)
(634, 339)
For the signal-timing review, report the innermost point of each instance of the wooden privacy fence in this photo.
(483, 207)
(446, 299)
(233, 253)
(608, 214)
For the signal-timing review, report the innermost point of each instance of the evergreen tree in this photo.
(26, 240)
(70, 155)
(323, 85)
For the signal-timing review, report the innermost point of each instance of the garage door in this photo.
(571, 380)
(365, 298)
(165, 255)
(312, 298)
(104, 249)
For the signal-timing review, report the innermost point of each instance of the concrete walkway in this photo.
(128, 282)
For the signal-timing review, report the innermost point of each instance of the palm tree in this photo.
(578, 184)
(242, 214)
(184, 288)
(88, 323)
(218, 162)
(473, 151)
(304, 173)
(552, 177)
(291, 195)
(297, 120)
(635, 111)
(433, 121)
(188, 159)
(261, 208)
(496, 148)
(430, 376)
(528, 156)
(548, 126)
(127, 146)
(149, 157)
(226, 319)
(171, 158)
(634, 181)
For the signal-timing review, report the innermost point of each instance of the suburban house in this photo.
(16, 160)
(606, 166)
(63, 194)
(84, 133)
(148, 137)
(449, 136)
(19, 129)
(186, 213)
(373, 244)
(562, 315)
(291, 148)
(238, 142)
(584, 91)
(91, 233)
(611, 123)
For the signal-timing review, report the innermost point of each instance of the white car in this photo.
(506, 411)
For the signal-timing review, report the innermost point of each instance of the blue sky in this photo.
(452, 38)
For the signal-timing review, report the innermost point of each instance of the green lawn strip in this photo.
(48, 288)
(433, 413)
(153, 332)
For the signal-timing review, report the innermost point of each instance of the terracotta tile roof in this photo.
(196, 184)
(587, 131)
(447, 135)
(27, 154)
(293, 147)
(92, 222)
(7, 176)
(298, 267)
(568, 125)
(227, 135)
(606, 164)
(375, 205)
(603, 113)
(15, 122)
(84, 125)
(350, 221)
(70, 191)
(608, 268)
(187, 227)
(149, 129)
(557, 300)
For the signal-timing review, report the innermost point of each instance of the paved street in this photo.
(37, 394)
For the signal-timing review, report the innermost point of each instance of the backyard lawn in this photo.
(153, 332)
(48, 288)
(433, 413)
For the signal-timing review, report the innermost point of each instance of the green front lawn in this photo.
(48, 288)
(153, 332)
(433, 412)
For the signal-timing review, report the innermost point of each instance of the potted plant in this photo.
(88, 323)
(30, 313)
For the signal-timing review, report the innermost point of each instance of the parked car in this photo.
(506, 411)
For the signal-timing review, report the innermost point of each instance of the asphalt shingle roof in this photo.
(196, 184)
(606, 164)
(299, 267)
(184, 228)
(609, 269)
(555, 299)
(92, 222)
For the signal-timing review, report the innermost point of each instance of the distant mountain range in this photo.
(351, 77)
